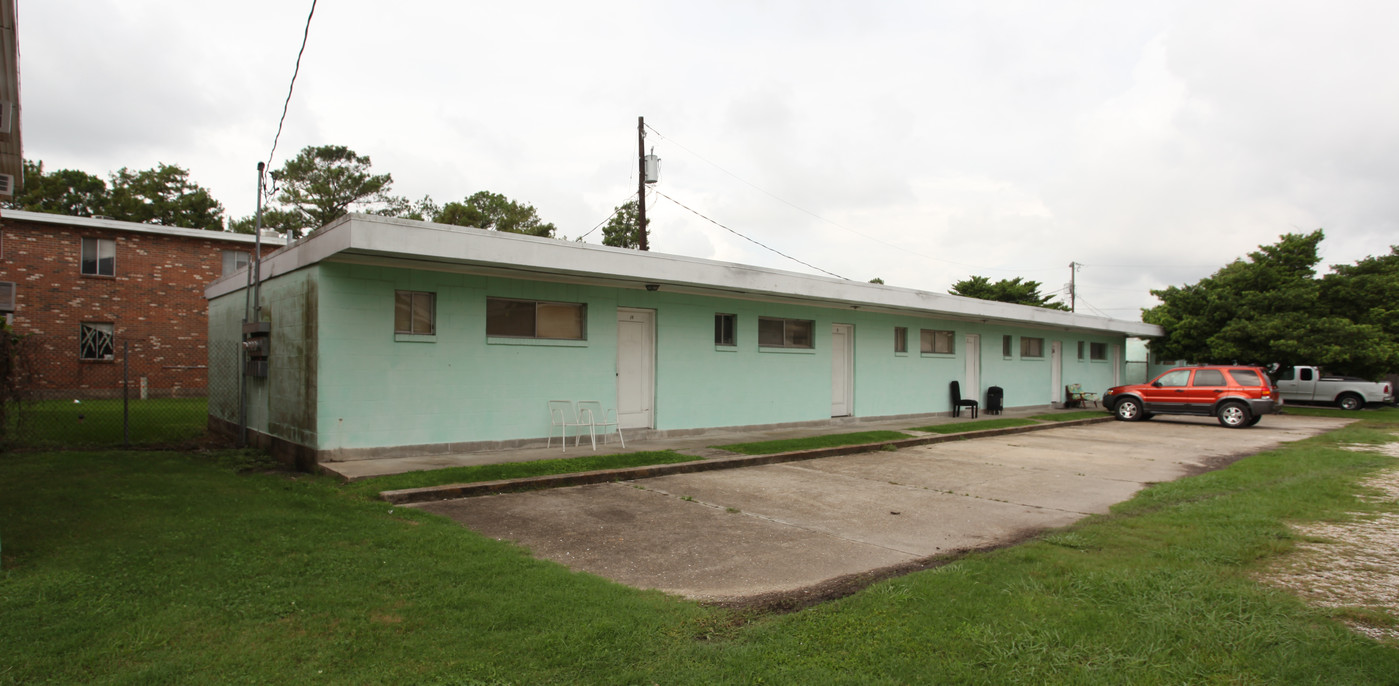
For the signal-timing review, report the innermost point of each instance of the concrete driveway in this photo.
(799, 531)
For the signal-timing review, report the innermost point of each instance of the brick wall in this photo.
(154, 302)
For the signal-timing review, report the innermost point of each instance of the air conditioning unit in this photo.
(7, 296)
(7, 185)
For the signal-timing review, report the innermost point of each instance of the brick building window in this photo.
(99, 257)
(233, 260)
(95, 341)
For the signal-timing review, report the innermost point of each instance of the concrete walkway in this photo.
(696, 443)
(788, 534)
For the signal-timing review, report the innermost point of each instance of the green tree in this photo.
(277, 219)
(620, 231)
(323, 183)
(65, 191)
(1017, 291)
(1270, 309)
(1366, 292)
(493, 211)
(164, 195)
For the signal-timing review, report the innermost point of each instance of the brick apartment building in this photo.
(82, 290)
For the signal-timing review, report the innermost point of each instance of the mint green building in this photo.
(377, 337)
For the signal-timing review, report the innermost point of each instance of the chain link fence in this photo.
(61, 392)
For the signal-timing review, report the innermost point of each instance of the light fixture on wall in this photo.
(653, 287)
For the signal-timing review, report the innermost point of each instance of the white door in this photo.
(636, 368)
(971, 386)
(1056, 373)
(842, 370)
(1116, 365)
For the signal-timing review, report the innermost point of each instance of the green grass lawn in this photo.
(1069, 416)
(66, 424)
(176, 568)
(812, 442)
(515, 470)
(982, 425)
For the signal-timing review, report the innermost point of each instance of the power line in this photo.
(292, 87)
(900, 248)
(609, 217)
(750, 240)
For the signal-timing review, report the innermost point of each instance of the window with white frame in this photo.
(1098, 351)
(507, 318)
(415, 312)
(233, 260)
(937, 342)
(1031, 347)
(99, 257)
(725, 327)
(95, 341)
(786, 333)
(900, 339)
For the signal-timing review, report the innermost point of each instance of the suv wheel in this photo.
(1235, 415)
(1128, 409)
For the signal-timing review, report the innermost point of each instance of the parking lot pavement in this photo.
(779, 529)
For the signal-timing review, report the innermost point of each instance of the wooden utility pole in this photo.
(1073, 283)
(641, 182)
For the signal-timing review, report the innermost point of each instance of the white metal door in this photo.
(1056, 373)
(971, 386)
(636, 368)
(1116, 365)
(842, 370)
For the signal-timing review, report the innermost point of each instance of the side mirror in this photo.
(1156, 384)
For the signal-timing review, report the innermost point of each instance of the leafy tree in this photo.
(1015, 291)
(877, 280)
(1366, 292)
(620, 231)
(66, 191)
(323, 183)
(164, 195)
(487, 210)
(277, 219)
(1271, 309)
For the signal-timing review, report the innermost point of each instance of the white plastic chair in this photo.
(562, 415)
(591, 411)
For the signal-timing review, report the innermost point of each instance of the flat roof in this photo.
(137, 227)
(402, 243)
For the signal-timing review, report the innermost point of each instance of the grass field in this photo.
(68, 424)
(812, 442)
(214, 567)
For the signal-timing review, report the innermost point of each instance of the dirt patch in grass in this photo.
(1352, 566)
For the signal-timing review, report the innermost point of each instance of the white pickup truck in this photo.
(1309, 385)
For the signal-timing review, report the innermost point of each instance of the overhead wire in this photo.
(305, 36)
(900, 248)
(750, 240)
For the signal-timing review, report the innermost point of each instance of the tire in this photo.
(1254, 419)
(1128, 410)
(1350, 401)
(1234, 415)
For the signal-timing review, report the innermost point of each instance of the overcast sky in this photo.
(919, 142)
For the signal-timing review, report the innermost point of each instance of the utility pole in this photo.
(641, 182)
(1073, 286)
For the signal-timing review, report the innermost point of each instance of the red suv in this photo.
(1238, 396)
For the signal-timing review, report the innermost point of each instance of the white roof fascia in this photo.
(137, 227)
(423, 245)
